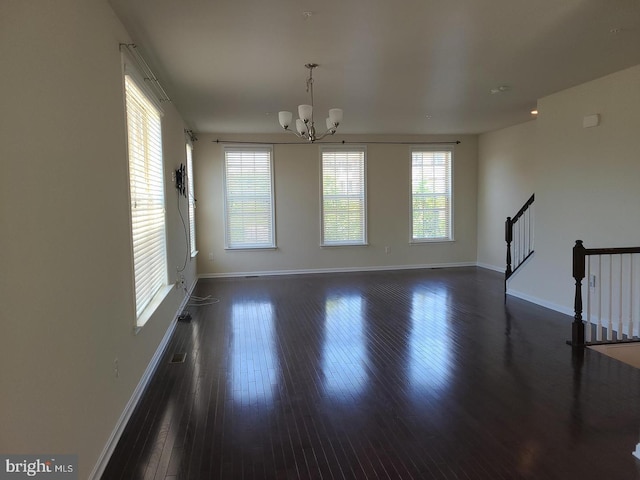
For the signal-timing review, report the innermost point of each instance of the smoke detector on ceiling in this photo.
(500, 89)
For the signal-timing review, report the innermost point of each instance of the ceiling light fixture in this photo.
(305, 127)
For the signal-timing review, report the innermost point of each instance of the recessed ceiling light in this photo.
(534, 112)
(500, 89)
(307, 15)
(427, 116)
(615, 30)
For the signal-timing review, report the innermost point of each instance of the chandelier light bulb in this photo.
(305, 112)
(335, 115)
(285, 119)
(301, 127)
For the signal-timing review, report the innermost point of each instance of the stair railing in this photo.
(519, 232)
(612, 295)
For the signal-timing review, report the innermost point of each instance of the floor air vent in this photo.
(178, 358)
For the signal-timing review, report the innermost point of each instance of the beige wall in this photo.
(585, 180)
(505, 182)
(66, 306)
(297, 197)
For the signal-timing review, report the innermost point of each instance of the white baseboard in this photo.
(491, 267)
(335, 270)
(539, 301)
(105, 456)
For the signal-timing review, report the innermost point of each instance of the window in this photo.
(431, 197)
(146, 182)
(192, 201)
(248, 189)
(344, 199)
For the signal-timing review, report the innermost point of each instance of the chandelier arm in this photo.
(330, 131)
(294, 132)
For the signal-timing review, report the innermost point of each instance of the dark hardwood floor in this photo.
(422, 374)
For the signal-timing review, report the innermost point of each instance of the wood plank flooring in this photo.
(422, 374)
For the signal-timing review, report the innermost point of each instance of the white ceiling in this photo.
(394, 67)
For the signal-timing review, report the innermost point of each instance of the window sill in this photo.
(427, 241)
(152, 307)
(332, 245)
(249, 249)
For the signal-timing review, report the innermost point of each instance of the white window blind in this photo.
(192, 201)
(249, 215)
(146, 181)
(343, 197)
(431, 195)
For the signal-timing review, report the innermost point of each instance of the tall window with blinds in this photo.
(248, 188)
(146, 181)
(192, 201)
(344, 199)
(431, 195)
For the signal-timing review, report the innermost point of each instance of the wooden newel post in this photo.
(508, 237)
(577, 331)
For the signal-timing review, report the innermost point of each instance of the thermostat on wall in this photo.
(591, 121)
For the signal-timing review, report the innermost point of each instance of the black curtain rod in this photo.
(456, 142)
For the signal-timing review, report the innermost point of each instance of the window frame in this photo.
(146, 299)
(228, 244)
(363, 241)
(449, 237)
(191, 200)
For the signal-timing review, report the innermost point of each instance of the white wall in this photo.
(66, 306)
(585, 180)
(297, 197)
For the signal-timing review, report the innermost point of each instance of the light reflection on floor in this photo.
(430, 342)
(343, 351)
(253, 353)
(344, 348)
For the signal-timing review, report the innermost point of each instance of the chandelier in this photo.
(305, 126)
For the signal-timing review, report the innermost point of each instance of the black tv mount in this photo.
(181, 180)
